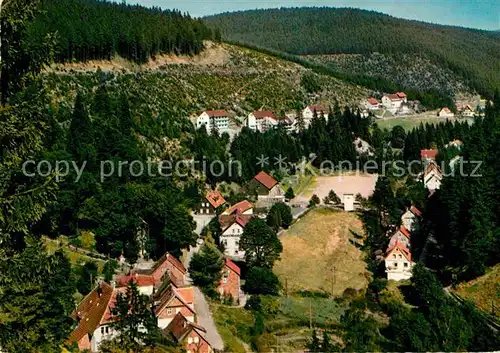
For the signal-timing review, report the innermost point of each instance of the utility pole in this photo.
(310, 315)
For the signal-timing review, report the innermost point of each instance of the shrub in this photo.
(261, 281)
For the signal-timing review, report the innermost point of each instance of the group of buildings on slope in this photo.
(234, 219)
(172, 301)
(259, 120)
(398, 260)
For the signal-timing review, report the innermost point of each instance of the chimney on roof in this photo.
(99, 291)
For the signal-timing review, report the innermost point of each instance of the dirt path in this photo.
(206, 320)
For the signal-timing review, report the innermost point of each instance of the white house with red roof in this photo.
(398, 262)
(213, 199)
(218, 119)
(262, 120)
(232, 226)
(372, 104)
(411, 218)
(432, 177)
(268, 189)
(446, 113)
(145, 283)
(394, 102)
(244, 207)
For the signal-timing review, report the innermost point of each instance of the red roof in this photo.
(180, 327)
(226, 220)
(430, 154)
(373, 101)
(240, 207)
(185, 295)
(172, 259)
(140, 280)
(217, 113)
(265, 179)
(401, 247)
(215, 198)
(405, 231)
(401, 94)
(393, 97)
(260, 114)
(446, 109)
(233, 267)
(415, 211)
(91, 311)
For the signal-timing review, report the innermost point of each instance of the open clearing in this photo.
(345, 183)
(318, 256)
(410, 122)
(484, 291)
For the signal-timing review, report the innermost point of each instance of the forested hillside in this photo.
(472, 54)
(91, 29)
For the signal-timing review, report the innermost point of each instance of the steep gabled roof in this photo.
(240, 207)
(446, 110)
(401, 94)
(184, 294)
(393, 97)
(265, 179)
(401, 247)
(180, 327)
(373, 101)
(90, 312)
(172, 259)
(404, 231)
(217, 113)
(215, 198)
(231, 265)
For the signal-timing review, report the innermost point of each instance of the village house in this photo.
(402, 235)
(398, 262)
(372, 104)
(229, 284)
(93, 316)
(218, 119)
(446, 113)
(209, 204)
(232, 226)
(244, 207)
(145, 283)
(189, 335)
(310, 110)
(465, 110)
(393, 102)
(267, 188)
(410, 219)
(262, 120)
(432, 177)
(169, 265)
(172, 301)
(348, 201)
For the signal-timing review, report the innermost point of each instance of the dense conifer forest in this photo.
(91, 29)
(473, 54)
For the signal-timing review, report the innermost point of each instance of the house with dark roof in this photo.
(213, 199)
(189, 335)
(262, 120)
(173, 300)
(93, 316)
(267, 188)
(229, 285)
(398, 262)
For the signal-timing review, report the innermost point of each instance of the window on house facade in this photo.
(196, 340)
(190, 340)
(102, 330)
(400, 256)
(169, 311)
(107, 330)
(406, 264)
(393, 256)
(395, 264)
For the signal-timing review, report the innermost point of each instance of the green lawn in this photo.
(408, 123)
